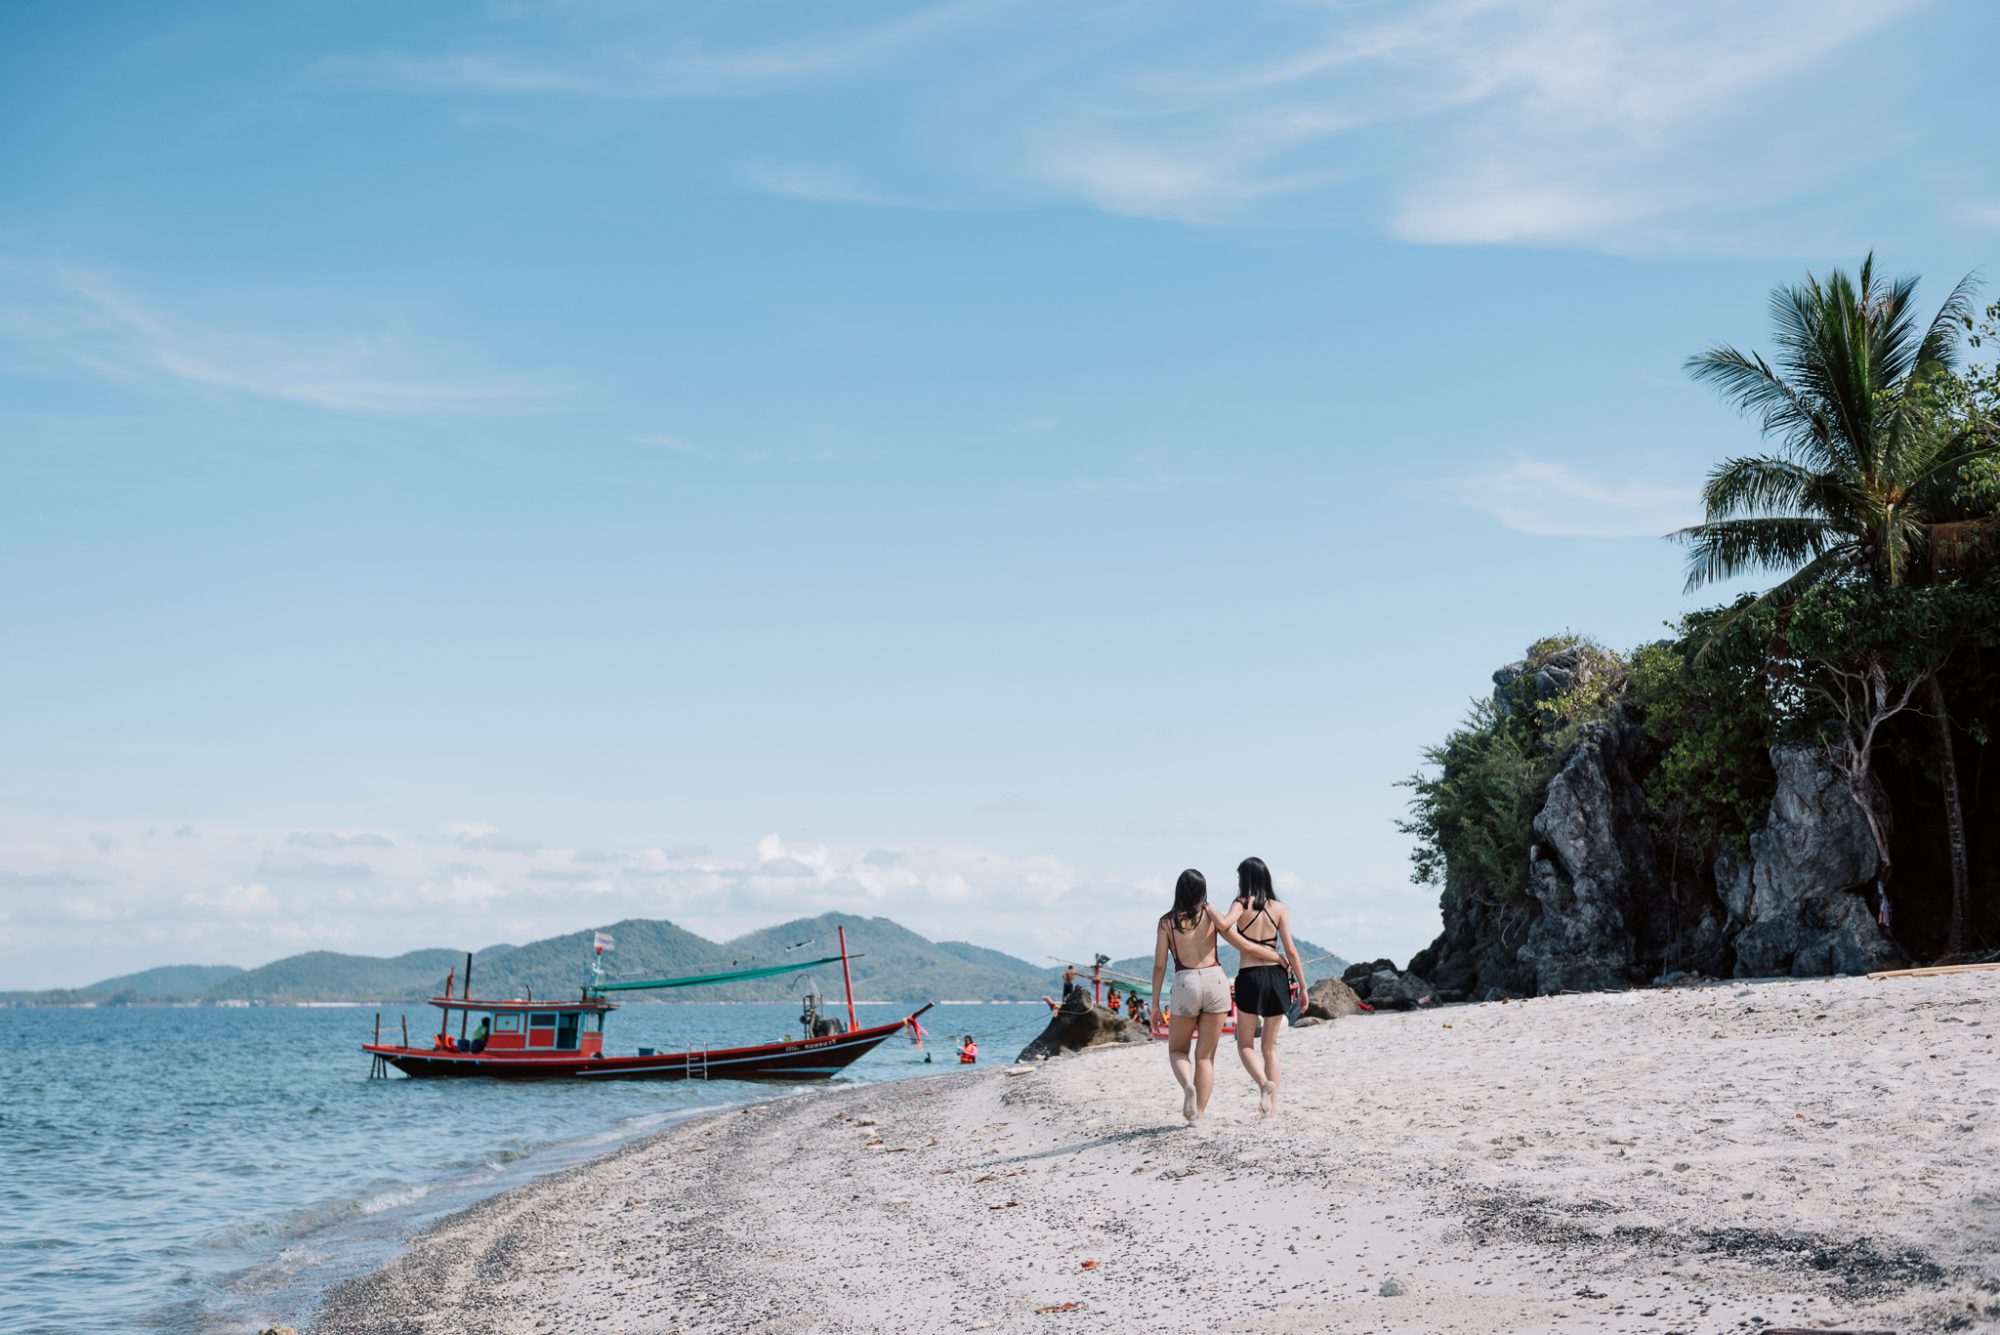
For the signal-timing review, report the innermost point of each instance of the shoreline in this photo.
(1802, 1154)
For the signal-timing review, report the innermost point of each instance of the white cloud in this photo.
(233, 901)
(1597, 122)
(79, 320)
(1551, 500)
(172, 901)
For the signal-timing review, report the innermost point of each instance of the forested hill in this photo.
(889, 962)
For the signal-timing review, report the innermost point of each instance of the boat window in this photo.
(566, 1029)
(506, 1024)
(593, 1023)
(542, 1020)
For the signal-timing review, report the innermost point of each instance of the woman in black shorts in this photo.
(1263, 991)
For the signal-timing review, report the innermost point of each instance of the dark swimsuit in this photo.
(1263, 990)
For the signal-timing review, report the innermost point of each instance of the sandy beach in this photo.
(1815, 1154)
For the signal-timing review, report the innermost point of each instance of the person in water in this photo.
(968, 1051)
(1186, 935)
(1263, 990)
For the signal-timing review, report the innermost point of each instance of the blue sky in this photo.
(483, 470)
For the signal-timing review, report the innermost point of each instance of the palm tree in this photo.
(1864, 472)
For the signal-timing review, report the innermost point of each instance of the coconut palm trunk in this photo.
(1954, 821)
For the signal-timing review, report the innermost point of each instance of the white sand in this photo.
(1814, 1154)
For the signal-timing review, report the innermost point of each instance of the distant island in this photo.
(891, 963)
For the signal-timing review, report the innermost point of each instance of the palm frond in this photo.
(1749, 383)
(1939, 349)
(1724, 548)
(1755, 486)
(1780, 595)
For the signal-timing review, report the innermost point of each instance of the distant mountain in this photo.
(1034, 974)
(167, 981)
(889, 963)
(323, 975)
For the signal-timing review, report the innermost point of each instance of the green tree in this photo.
(1867, 470)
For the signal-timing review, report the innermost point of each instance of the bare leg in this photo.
(1246, 1049)
(1180, 1036)
(1268, 1105)
(1204, 1061)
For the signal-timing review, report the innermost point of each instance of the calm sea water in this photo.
(205, 1170)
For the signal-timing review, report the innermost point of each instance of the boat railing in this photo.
(697, 1064)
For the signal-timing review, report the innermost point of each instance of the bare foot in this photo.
(1267, 1101)
(1187, 1106)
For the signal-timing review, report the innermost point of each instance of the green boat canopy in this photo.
(703, 980)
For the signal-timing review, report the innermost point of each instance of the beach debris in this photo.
(864, 1121)
(1021, 1070)
(1008, 1206)
(1091, 1265)
(1393, 1287)
(278, 1330)
(877, 1140)
(1061, 1307)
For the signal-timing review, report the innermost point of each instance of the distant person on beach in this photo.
(1263, 991)
(1115, 1003)
(968, 1052)
(1186, 935)
(1069, 981)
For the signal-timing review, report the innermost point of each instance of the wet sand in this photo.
(1820, 1154)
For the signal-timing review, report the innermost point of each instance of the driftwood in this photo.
(1931, 972)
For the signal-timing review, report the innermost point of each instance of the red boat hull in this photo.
(803, 1059)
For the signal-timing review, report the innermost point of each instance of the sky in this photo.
(476, 471)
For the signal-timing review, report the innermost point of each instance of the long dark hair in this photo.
(1253, 884)
(1190, 893)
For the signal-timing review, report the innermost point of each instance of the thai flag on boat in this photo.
(604, 942)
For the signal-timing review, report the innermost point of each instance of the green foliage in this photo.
(1710, 721)
(1472, 810)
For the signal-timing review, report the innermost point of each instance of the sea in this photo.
(205, 1169)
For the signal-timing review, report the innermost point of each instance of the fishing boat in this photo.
(529, 1039)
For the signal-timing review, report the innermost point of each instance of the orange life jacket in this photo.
(968, 1053)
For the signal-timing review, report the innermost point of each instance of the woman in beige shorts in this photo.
(1186, 935)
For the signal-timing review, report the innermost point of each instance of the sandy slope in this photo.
(1790, 1154)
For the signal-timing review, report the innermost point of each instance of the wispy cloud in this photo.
(1594, 122)
(248, 895)
(1551, 500)
(68, 320)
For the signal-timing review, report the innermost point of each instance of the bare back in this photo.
(1194, 947)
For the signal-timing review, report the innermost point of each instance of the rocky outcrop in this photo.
(1600, 914)
(1799, 901)
(1078, 1024)
(1386, 988)
(1554, 677)
(1331, 999)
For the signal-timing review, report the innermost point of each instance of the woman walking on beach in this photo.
(1186, 935)
(1263, 990)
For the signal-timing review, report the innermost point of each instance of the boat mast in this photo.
(846, 980)
(465, 1015)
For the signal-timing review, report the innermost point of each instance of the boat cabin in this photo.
(529, 1028)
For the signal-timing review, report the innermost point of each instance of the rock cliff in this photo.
(1599, 913)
